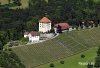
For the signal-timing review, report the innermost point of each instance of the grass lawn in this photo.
(74, 61)
(4, 1)
(24, 3)
(96, 0)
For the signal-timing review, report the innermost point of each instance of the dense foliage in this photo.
(9, 60)
(97, 60)
(73, 11)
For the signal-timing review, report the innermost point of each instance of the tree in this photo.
(62, 62)
(97, 59)
(30, 26)
(98, 52)
(52, 65)
(97, 62)
(10, 60)
(90, 65)
(52, 30)
(82, 56)
(59, 30)
(1, 45)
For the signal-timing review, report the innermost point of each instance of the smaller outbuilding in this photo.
(26, 34)
(61, 27)
(33, 36)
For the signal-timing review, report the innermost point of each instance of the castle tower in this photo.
(44, 25)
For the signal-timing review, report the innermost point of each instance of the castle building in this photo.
(44, 25)
(33, 36)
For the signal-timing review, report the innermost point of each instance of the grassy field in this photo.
(23, 2)
(65, 45)
(75, 61)
(96, 0)
(4, 1)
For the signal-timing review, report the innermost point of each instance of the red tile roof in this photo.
(45, 20)
(64, 26)
(26, 33)
(34, 33)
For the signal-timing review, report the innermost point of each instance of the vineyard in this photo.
(65, 45)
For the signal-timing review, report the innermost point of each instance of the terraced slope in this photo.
(67, 44)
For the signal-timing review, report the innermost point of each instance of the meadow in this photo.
(75, 61)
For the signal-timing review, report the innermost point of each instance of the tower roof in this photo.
(45, 20)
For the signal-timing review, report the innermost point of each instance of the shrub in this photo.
(90, 65)
(62, 62)
(52, 30)
(82, 56)
(51, 65)
(24, 39)
(10, 49)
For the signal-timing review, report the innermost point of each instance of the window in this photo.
(49, 24)
(40, 24)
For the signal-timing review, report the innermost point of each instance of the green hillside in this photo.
(96, 0)
(67, 44)
(75, 61)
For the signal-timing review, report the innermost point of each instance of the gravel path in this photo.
(36, 42)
